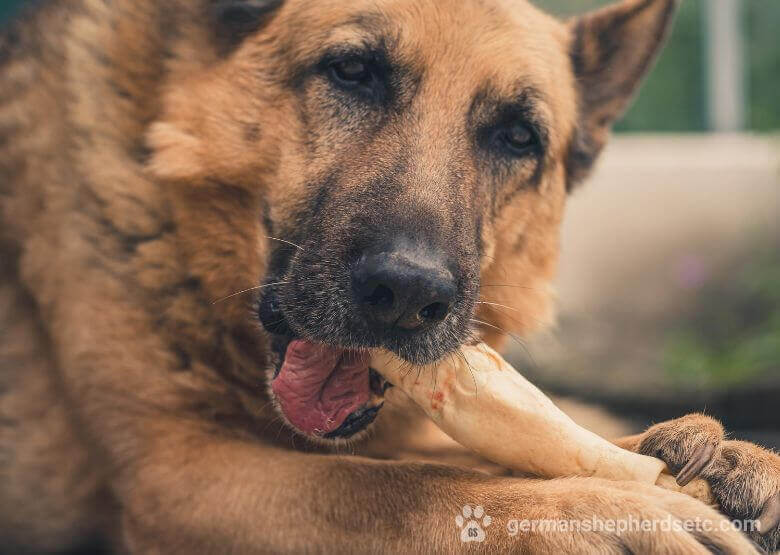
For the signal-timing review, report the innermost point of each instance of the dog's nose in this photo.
(405, 288)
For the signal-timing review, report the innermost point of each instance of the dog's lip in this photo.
(279, 344)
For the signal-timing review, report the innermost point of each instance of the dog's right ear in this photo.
(612, 50)
(235, 19)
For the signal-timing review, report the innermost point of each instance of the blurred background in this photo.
(669, 288)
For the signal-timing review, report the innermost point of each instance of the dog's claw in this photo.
(770, 516)
(700, 459)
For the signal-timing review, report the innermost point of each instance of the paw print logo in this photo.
(472, 524)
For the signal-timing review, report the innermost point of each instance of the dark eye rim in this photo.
(335, 68)
(366, 83)
(502, 139)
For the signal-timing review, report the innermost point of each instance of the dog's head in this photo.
(403, 165)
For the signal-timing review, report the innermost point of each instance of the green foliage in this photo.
(674, 98)
(763, 49)
(733, 333)
(7, 7)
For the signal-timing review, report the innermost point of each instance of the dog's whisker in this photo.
(275, 420)
(249, 290)
(544, 323)
(490, 325)
(287, 242)
(496, 305)
(511, 319)
(511, 335)
(499, 304)
(471, 370)
(509, 285)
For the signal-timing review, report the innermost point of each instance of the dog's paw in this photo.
(745, 479)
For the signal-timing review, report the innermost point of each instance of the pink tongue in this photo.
(318, 387)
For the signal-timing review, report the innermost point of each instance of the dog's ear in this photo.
(611, 51)
(235, 19)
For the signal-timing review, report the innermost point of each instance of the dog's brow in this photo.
(531, 102)
(374, 22)
(371, 24)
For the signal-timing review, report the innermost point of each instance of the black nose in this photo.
(407, 288)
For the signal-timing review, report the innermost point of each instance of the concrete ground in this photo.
(659, 215)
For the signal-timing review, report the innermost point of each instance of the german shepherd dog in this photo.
(211, 209)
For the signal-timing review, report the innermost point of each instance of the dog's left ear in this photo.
(235, 19)
(612, 49)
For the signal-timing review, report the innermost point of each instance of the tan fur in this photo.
(138, 157)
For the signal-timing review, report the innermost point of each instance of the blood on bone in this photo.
(437, 397)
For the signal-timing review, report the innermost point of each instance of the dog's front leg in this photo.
(195, 492)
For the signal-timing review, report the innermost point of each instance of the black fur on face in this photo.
(314, 298)
(236, 19)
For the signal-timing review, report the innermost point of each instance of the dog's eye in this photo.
(351, 73)
(518, 138)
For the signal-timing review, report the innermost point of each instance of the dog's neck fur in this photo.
(79, 98)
